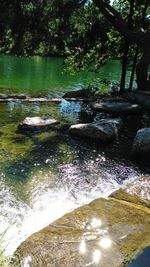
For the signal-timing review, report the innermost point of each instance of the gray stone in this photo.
(117, 107)
(104, 130)
(141, 142)
(36, 124)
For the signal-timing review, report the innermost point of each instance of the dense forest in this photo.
(83, 30)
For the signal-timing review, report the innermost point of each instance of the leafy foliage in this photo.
(65, 27)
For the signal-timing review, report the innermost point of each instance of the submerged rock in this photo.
(106, 233)
(117, 107)
(104, 130)
(36, 124)
(141, 142)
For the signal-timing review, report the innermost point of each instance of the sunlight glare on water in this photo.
(44, 176)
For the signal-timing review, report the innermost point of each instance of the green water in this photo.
(45, 175)
(46, 76)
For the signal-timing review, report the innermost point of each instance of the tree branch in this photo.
(117, 21)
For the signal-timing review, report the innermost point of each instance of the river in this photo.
(46, 175)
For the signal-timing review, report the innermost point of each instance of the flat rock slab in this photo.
(104, 233)
(117, 107)
(104, 130)
(36, 124)
(141, 142)
(30, 99)
(137, 192)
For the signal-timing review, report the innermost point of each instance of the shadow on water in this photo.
(143, 260)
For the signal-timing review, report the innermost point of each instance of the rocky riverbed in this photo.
(106, 232)
(50, 157)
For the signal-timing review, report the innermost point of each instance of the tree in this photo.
(126, 48)
(143, 20)
(139, 37)
(88, 40)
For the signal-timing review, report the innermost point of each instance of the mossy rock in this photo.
(137, 192)
(104, 233)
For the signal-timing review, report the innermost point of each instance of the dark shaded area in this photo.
(143, 260)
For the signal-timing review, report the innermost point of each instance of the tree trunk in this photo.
(133, 68)
(137, 49)
(124, 66)
(143, 81)
(126, 49)
(141, 38)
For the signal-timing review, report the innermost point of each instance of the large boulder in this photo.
(122, 108)
(104, 130)
(104, 233)
(141, 142)
(36, 124)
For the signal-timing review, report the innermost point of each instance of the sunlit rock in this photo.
(95, 223)
(124, 231)
(141, 142)
(117, 107)
(137, 192)
(96, 256)
(36, 124)
(104, 130)
(105, 242)
(82, 247)
(3, 96)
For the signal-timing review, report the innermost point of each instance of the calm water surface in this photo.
(45, 175)
(46, 76)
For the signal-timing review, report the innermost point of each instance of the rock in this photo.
(13, 96)
(143, 98)
(104, 130)
(81, 94)
(3, 96)
(141, 142)
(137, 192)
(117, 107)
(106, 233)
(36, 124)
(26, 99)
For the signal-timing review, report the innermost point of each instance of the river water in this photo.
(46, 175)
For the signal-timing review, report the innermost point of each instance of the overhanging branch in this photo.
(117, 21)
